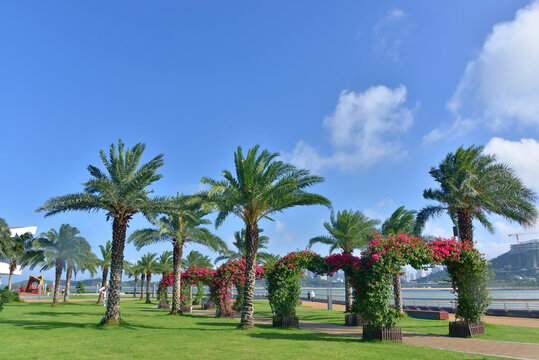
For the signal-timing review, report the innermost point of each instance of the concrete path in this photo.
(475, 346)
(500, 320)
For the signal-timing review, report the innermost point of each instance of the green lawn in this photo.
(69, 331)
(437, 327)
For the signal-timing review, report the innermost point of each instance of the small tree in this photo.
(81, 288)
(20, 250)
(104, 262)
(59, 247)
(150, 265)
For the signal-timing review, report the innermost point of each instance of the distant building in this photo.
(528, 252)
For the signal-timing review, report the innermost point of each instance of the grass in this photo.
(70, 331)
(423, 326)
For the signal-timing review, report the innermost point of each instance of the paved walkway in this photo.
(500, 320)
(485, 347)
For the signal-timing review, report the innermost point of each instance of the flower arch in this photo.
(228, 275)
(371, 276)
(283, 279)
(220, 281)
(191, 276)
(467, 267)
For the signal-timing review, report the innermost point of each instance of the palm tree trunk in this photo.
(251, 242)
(69, 271)
(103, 283)
(112, 315)
(142, 279)
(135, 287)
(348, 293)
(148, 281)
(238, 303)
(57, 279)
(176, 278)
(464, 220)
(397, 292)
(12, 268)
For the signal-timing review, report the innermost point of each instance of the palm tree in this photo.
(474, 185)
(165, 262)
(5, 236)
(150, 265)
(349, 230)
(121, 192)
(179, 227)
(165, 265)
(140, 268)
(241, 250)
(402, 221)
(196, 259)
(131, 270)
(81, 259)
(19, 251)
(262, 186)
(59, 247)
(104, 262)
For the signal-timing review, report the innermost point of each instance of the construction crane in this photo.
(518, 244)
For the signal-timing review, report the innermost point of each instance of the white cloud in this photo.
(437, 229)
(522, 156)
(284, 235)
(383, 209)
(360, 130)
(395, 14)
(390, 32)
(500, 87)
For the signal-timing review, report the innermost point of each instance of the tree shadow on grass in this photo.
(59, 313)
(230, 325)
(304, 336)
(48, 325)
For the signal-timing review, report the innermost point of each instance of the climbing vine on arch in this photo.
(283, 279)
(228, 275)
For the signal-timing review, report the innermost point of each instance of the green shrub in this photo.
(81, 288)
(7, 296)
(17, 297)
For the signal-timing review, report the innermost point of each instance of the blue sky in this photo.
(368, 94)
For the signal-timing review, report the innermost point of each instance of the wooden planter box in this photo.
(221, 314)
(383, 334)
(463, 329)
(163, 305)
(353, 320)
(286, 321)
(186, 309)
(208, 306)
